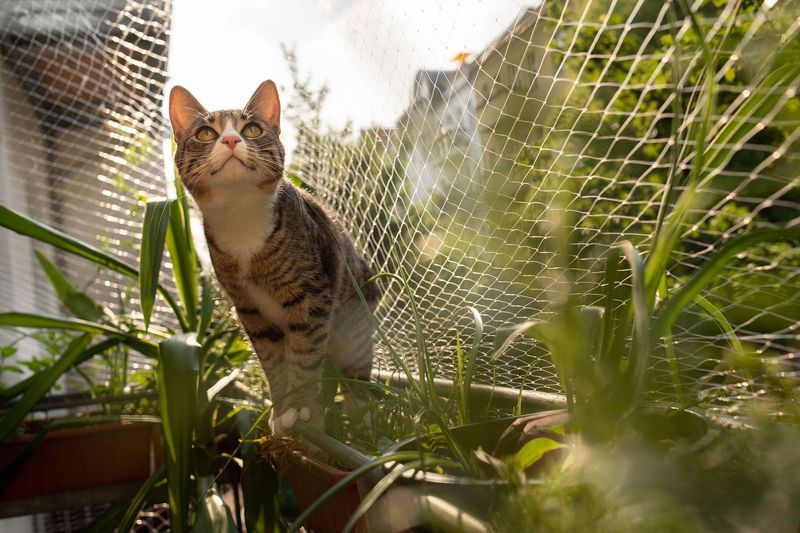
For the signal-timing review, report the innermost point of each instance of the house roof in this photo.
(441, 82)
(524, 21)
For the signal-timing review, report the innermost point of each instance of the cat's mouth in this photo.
(231, 158)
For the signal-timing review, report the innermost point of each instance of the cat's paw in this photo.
(281, 424)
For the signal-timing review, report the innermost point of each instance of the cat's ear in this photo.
(265, 104)
(183, 111)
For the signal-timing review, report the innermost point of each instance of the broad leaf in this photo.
(184, 261)
(43, 233)
(154, 232)
(177, 377)
(534, 450)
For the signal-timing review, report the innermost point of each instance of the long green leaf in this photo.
(472, 356)
(380, 487)
(79, 303)
(184, 261)
(347, 480)
(154, 232)
(43, 233)
(21, 386)
(36, 230)
(108, 520)
(641, 322)
(723, 323)
(764, 100)
(608, 359)
(684, 296)
(663, 247)
(43, 384)
(260, 492)
(677, 112)
(177, 377)
(206, 308)
(213, 516)
(138, 501)
(32, 320)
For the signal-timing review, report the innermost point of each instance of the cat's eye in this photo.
(206, 134)
(252, 130)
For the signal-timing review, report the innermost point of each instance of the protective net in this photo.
(81, 140)
(566, 131)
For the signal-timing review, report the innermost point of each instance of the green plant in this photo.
(205, 409)
(604, 338)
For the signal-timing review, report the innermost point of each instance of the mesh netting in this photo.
(574, 121)
(81, 137)
(568, 126)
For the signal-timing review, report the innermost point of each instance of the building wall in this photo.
(22, 171)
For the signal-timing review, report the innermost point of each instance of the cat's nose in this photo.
(231, 140)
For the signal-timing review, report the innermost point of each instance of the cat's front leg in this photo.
(306, 347)
(268, 341)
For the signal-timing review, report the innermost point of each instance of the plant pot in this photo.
(77, 459)
(310, 479)
(478, 496)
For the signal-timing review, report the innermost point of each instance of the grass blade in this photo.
(259, 479)
(108, 520)
(641, 321)
(206, 309)
(765, 98)
(32, 320)
(684, 296)
(472, 356)
(344, 482)
(377, 491)
(609, 363)
(36, 230)
(724, 326)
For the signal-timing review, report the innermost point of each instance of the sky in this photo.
(365, 51)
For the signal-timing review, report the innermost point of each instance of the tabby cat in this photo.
(278, 253)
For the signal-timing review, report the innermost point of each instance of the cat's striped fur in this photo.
(278, 253)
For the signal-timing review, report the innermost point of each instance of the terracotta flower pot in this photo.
(310, 479)
(75, 459)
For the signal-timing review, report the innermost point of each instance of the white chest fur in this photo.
(240, 225)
